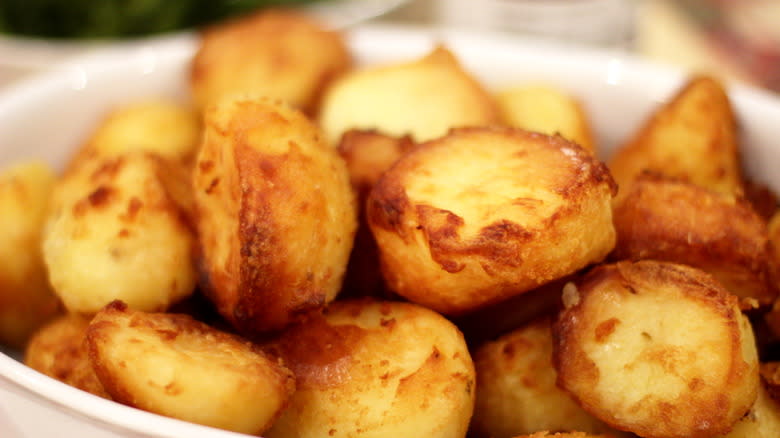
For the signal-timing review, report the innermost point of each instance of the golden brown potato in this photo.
(279, 54)
(692, 137)
(762, 198)
(58, 350)
(175, 366)
(159, 126)
(656, 348)
(761, 421)
(376, 369)
(116, 230)
(422, 98)
(546, 109)
(676, 221)
(26, 299)
(276, 214)
(516, 390)
(483, 214)
(546, 434)
(367, 154)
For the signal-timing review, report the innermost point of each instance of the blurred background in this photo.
(736, 40)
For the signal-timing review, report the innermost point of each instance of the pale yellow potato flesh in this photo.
(26, 299)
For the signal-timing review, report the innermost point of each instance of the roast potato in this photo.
(761, 421)
(58, 349)
(516, 391)
(656, 348)
(368, 155)
(546, 109)
(484, 214)
(163, 127)
(117, 230)
(280, 54)
(376, 369)
(680, 222)
(26, 300)
(692, 137)
(276, 214)
(172, 365)
(546, 434)
(423, 98)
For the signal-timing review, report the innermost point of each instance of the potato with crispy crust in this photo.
(276, 214)
(280, 54)
(58, 350)
(693, 137)
(117, 229)
(368, 155)
(376, 369)
(163, 127)
(26, 299)
(516, 390)
(484, 214)
(761, 421)
(680, 222)
(546, 434)
(175, 366)
(656, 348)
(546, 109)
(422, 98)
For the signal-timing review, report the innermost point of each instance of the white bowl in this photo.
(48, 116)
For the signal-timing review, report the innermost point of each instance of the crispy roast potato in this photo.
(376, 369)
(422, 98)
(761, 421)
(656, 348)
(546, 109)
(26, 300)
(680, 222)
(516, 390)
(368, 155)
(175, 366)
(166, 128)
(58, 349)
(117, 230)
(484, 214)
(546, 434)
(280, 54)
(692, 137)
(276, 214)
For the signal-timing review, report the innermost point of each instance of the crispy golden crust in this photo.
(376, 369)
(692, 137)
(117, 229)
(761, 421)
(280, 54)
(761, 198)
(175, 366)
(276, 214)
(487, 213)
(680, 222)
(546, 109)
(546, 434)
(59, 351)
(26, 299)
(516, 391)
(368, 155)
(658, 349)
(423, 98)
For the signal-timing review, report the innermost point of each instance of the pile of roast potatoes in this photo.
(316, 249)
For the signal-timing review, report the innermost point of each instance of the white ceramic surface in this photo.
(48, 116)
